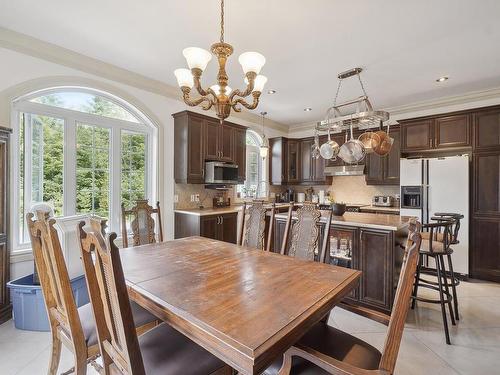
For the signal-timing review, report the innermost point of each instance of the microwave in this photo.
(217, 172)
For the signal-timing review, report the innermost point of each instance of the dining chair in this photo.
(142, 224)
(161, 350)
(327, 350)
(74, 327)
(253, 225)
(305, 232)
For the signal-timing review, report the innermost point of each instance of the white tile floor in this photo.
(475, 339)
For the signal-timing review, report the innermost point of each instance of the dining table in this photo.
(245, 306)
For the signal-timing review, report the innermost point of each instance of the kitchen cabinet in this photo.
(417, 135)
(384, 170)
(222, 227)
(5, 305)
(486, 125)
(293, 161)
(199, 138)
(277, 160)
(452, 131)
(312, 170)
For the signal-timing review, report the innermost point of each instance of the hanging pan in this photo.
(329, 149)
(352, 151)
(385, 142)
(370, 140)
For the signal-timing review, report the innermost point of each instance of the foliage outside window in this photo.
(81, 153)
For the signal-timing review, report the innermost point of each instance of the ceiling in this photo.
(403, 45)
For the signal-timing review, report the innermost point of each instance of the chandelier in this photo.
(220, 95)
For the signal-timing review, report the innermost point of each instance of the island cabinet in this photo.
(199, 138)
(376, 250)
(384, 170)
(218, 226)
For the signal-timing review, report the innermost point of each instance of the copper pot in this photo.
(370, 140)
(385, 143)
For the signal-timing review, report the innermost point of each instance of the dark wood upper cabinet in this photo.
(277, 160)
(417, 135)
(452, 131)
(199, 138)
(240, 152)
(486, 184)
(384, 170)
(306, 160)
(293, 161)
(487, 129)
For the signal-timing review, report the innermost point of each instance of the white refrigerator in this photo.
(439, 185)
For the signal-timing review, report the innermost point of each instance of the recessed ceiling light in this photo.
(271, 91)
(308, 109)
(442, 79)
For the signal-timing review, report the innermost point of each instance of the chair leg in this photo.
(81, 364)
(453, 287)
(55, 355)
(447, 289)
(415, 285)
(441, 297)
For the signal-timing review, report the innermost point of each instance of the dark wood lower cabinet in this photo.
(485, 255)
(221, 227)
(376, 253)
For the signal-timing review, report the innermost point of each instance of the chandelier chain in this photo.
(222, 21)
(362, 85)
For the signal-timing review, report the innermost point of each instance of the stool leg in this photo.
(415, 285)
(441, 297)
(447, 289)
(453, 287)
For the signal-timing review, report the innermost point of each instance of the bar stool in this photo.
(436, 245)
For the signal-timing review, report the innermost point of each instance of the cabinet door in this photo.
(226, 145)
(212, 139)
(318, 167)
(485, 252)
(227, 227)
(196, 161)
(343, 251)
(417, 135)
(240, 152)
(306, 161)
(486, 183)
(277, 160)
(292, 172)
(452, 131)
(209, 226)
(391, 161)
(374, 170)
(375, 261)
(487, 130)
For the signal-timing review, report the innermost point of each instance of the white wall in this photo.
(22, 73)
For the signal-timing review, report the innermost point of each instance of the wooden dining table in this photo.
(245, 306)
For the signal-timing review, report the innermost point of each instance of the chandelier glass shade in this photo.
(220, 95)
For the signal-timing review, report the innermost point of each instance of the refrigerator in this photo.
(432, 185)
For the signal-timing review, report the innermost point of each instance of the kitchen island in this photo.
(371, 243)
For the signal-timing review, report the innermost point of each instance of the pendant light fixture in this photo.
(220, 95)
(264, 146)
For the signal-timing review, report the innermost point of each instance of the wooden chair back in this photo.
(402, 299)
(108, 294)
(54, 279)
(142, 224)
(253, 225)
(305, 232)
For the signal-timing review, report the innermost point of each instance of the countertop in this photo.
(209, 211)
(380, 208)
(366, 220)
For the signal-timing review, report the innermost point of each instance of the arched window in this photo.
(255, 184)
(82, 151)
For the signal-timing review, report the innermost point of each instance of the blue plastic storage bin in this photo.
(28, 305)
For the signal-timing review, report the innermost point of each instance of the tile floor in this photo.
(475, 339)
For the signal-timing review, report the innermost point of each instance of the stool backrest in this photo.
(142, 224)
(253, 225)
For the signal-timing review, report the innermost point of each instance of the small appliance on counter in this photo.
(383, 201)
(221, 200)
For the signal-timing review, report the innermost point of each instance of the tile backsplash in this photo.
(184, 192)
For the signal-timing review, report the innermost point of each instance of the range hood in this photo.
(345, 170)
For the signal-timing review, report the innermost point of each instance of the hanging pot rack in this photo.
(365, 116)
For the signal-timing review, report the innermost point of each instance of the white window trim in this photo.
(263, 187)
(71, 118)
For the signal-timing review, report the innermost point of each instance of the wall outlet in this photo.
(197, 198)
(192, 197)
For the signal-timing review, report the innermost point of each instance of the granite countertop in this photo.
(380, 208)
(209, 210)
(366, 220)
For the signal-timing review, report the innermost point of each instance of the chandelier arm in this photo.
(242, 101)
(201, 90)
(248, 90)
(195, 102)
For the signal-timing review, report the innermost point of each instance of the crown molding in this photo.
(470, 100)
(37, 48)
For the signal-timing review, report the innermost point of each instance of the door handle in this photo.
(218, 220)
(222, 219)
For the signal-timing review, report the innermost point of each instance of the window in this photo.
(255, 183)
(81, 152)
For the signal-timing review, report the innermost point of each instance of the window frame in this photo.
(262, 165)
(70, 119)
